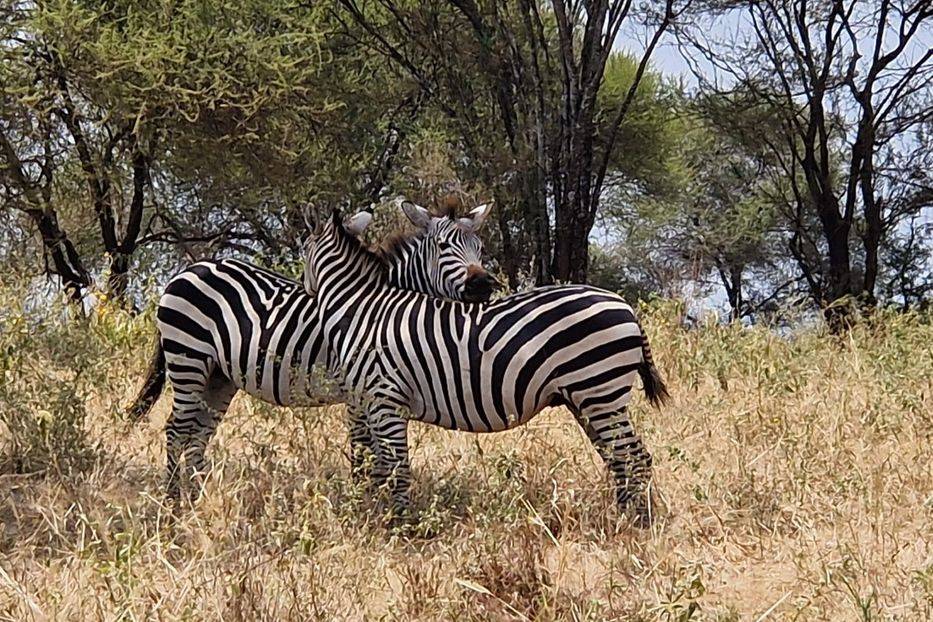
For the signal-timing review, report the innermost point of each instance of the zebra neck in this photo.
(357, 275)
(408, 267)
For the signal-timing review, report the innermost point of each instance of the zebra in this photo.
(228, 325)
(480, 367)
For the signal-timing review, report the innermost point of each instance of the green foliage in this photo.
(648, 151)
(248, 112)
(621, 268)
(241, 109)
(42, 392)
(718, 226)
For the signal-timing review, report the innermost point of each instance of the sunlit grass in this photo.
(794, 473)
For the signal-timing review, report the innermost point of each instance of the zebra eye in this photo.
(443, 246)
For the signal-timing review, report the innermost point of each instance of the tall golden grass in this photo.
(795, 476)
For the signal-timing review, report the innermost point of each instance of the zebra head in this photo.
(448, 253)
(444, 259)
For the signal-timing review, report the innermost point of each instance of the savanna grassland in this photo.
(794, 478)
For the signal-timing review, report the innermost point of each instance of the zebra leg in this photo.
(392, 467)
(201, 398)
(624, 453)
(363, 449)
(189, 378)
(216, 399)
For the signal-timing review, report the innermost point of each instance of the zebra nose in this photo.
(479, 285)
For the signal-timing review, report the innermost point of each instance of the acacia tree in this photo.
(716, 228)
(31, 154)
(188, 125)
(26, 185)
(534, 72)
(725, 222)
(587, 134)
(849, 84)
(57, 139)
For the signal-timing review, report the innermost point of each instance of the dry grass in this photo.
(796, 475)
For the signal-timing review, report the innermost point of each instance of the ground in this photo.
(793, 476)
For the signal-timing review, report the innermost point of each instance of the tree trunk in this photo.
(872, 241)
(736, 300)
(118, 279)
(508, 261)
(572, 244)
(121, 255)
(66, 263)
(536, 209)
(731, 276)
(836, 309)
(65, 260)
(873, 225)
(575, 206)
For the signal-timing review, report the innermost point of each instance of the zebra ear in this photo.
(419, 216)
(477, 217)
(357, 223)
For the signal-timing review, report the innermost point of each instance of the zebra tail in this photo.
(152, 386)
(655, 389)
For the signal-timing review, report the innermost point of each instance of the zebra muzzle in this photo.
(479, 286)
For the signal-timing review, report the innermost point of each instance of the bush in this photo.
(54, 359)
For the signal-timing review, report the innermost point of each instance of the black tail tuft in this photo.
(655, 389)
(152, 387)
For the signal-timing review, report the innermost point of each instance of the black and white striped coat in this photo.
(228, 325)
(401, 355)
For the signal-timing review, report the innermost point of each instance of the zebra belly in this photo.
(470, 413)
(473, 420)
(293, 383)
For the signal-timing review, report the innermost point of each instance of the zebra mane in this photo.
(393, 246)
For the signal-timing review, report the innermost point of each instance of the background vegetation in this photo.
(791, 163)
(783, 179)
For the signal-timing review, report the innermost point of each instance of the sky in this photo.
(668, 58)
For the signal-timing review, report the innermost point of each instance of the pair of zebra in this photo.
(400, 333)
